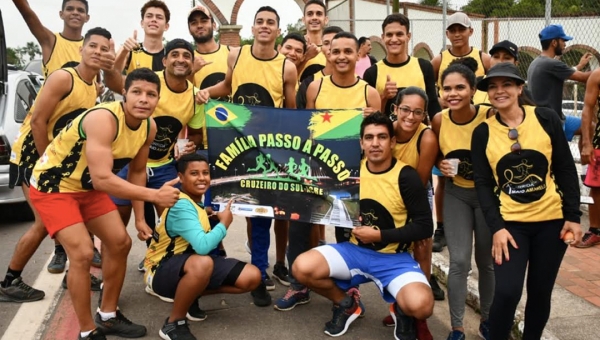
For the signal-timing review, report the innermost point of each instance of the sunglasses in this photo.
(513, 134)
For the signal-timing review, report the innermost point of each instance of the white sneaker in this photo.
(247, 244)
(151, 292)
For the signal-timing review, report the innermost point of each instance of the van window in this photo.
(24, 101)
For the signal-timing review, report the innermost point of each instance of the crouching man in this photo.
(181, 262)
(394, 214)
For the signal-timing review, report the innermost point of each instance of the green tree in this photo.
(435, 3)
(13, 57)
(531, 8)
(396, 6)
(298, 27)
(32, 49)
(497, 8)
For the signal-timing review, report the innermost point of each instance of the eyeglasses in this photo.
(513, 134)
(405, 110)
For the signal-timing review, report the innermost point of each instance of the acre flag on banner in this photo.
(286, 164)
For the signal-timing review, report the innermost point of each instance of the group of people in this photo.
(507, 184)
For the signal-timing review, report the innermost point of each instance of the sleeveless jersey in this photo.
(332, 96)
(313, 66)
(381, 205)
(448, 57)
(257, 81)
(406, 74)
(408, 152)
(81, 97)
(65, 51)
(64, 166)
(167, 245)
(141, 58)
(173, 112)
(526, 186)
(455, 142)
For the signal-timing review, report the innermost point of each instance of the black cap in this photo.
(178, 43)
(507, 46)
(508, 70)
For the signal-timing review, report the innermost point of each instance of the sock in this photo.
(440, 226)
(59, 249)
(10, 276)
(595, 231)
(84, 334)
(347, 302)
(107, 316)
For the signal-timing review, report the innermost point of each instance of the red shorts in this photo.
(63, 209)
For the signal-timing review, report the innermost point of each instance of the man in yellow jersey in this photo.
(458, 31)
(275, 88)
(66, 94)
(70, 189)
(181, 261)
(398, 70)
(341, 90)
(394, 214)
(314, 19)
(328, 34)
(150, 53)
(293, 47)
(590, 155)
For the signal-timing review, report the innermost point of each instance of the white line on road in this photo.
(30, 320)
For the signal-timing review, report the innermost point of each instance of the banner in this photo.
(285, 164)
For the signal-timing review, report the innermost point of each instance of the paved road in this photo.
(230, 316)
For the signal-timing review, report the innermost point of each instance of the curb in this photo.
(440, 268)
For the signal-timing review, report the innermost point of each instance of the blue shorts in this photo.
(157, 177)
(571, 125)
(437, 171)
(351, 265)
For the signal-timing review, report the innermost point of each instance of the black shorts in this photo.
(19, 175)
(166, 278)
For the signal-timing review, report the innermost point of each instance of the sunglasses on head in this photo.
(513, 134)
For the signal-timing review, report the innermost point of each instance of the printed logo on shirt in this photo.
(522, 176)
(465, 167)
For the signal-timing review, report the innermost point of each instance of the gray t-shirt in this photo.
(545, 79)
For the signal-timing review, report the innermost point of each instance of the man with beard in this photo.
(546, 76)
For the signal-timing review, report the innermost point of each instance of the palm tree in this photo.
(32, 49)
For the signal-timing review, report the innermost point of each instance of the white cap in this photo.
(459, 18)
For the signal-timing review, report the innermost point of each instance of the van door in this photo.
(3, 60)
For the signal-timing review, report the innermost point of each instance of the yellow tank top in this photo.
(313, 66)
(332, 96)
(481, 98)
(256, 81)
(64, 167)
(81, 97)
(173, 112)
(526, 187)
(141, 58)
(167, 245)
(381, 205)
(408, 152)
(455, 142)
(448, 57)
(64, 51)
(405, 75)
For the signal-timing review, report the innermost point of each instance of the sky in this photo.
(122, 22)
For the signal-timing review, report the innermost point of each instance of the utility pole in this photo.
(396, 6)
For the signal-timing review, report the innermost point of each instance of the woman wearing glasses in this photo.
(527, 184)
(463, 217)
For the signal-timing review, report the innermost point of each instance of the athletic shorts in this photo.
(19, 175)
(63, 209)
(170, 271)
(157, 177)
(570, 126)
(437, 171)
(351, 265)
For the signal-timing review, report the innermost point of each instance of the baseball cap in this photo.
(508, 70)
(459, 18)
(554, 32)
(201, 9)
(178, 43)
(507, 46)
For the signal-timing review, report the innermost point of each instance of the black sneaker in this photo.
(95, 283)
(141, 267)
(195, 313)
(281, 274)
(405, 325)
(439, 241)
(58, 263)
(261, 296)
(344, 314)
(19, 291)
(120, 326)
(178, 330)
(269, 283)
(438, 293)
(94, 335)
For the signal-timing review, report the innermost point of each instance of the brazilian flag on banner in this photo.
(286, 164)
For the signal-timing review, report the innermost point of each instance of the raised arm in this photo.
(43, 35)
